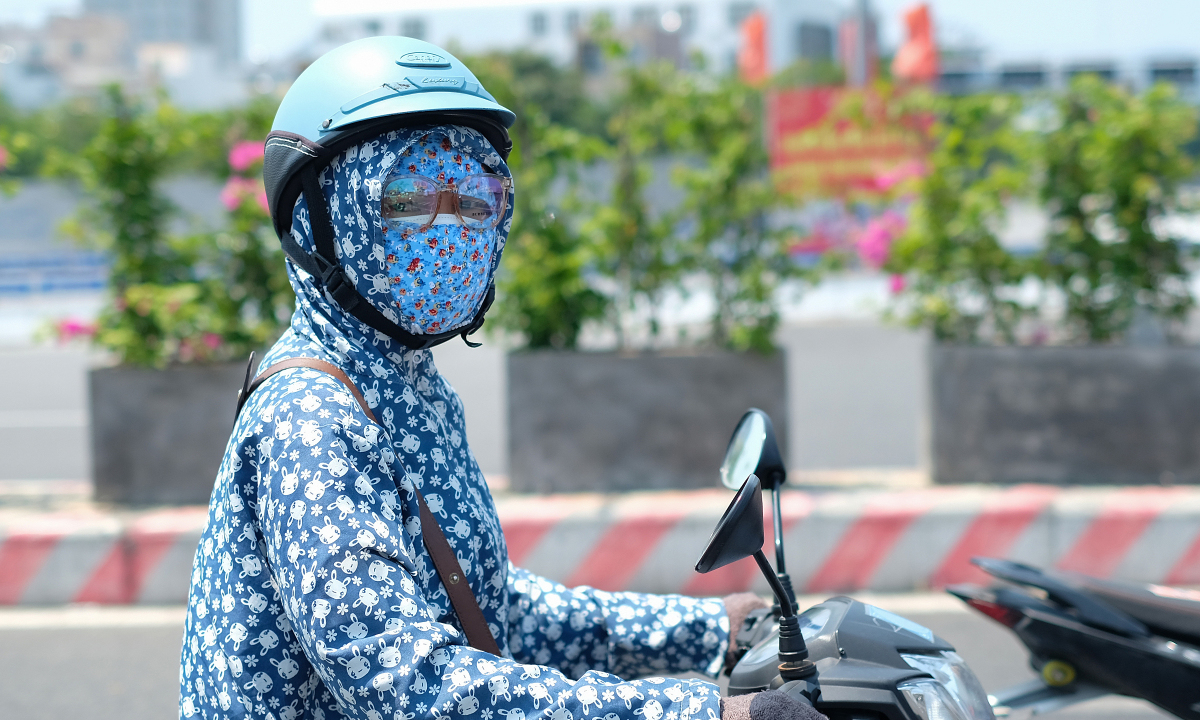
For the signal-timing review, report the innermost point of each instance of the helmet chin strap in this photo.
(324, 264)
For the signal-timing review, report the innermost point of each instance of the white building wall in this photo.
(711, 30)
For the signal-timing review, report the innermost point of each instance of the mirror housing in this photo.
(769, 469)
(739, 532)
(738, 535)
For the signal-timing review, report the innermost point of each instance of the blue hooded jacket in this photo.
(312, 593)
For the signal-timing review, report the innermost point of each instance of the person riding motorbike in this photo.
(314, 593)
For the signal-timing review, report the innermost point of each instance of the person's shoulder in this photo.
(305, 390)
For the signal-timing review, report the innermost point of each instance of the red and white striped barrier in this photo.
(848, 541)
(91, 558)
(843, 541)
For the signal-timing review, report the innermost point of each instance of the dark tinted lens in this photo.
(409, 201)
(481, 200)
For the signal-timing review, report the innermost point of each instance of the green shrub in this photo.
(176, 298)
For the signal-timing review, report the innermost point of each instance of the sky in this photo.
(1049, 30)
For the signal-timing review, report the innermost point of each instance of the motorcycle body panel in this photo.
(856, 649)
(1160, 664)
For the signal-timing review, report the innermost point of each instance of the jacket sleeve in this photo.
(346, 556)
(627, 634)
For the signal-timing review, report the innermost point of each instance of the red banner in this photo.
(812, 155)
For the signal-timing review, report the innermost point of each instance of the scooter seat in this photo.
(1171, 612)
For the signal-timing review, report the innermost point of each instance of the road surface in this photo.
(122, 663)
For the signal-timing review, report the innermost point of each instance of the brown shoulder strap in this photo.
(444, 559)
(313, 363)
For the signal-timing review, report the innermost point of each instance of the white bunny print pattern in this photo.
(312, 594)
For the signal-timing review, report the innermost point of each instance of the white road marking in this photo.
(91, 616)
(899, 603)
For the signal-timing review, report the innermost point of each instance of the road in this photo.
(122, 664)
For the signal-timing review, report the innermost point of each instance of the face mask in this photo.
(440, 213)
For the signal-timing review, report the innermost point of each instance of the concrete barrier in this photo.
(1117, 415)
(837, 541)
(158, 435)
(608, 422)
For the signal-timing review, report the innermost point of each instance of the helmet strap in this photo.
(323, 264)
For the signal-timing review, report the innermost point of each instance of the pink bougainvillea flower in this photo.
(212, 341)
(245, 153)
(875, 243)
(3, 158)
(231, 195)
(889, 179)
(70, 328)
(238, 189)
(896, 284)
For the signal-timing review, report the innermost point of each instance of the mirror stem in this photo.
(780, 566)
(781, 596)
(793, 651)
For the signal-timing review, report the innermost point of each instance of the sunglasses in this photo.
(415, 201)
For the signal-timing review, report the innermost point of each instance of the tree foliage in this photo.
(1113, 167)
(544, 292)
(600, 234)
(175, 298)
(977, 161)
(1106, 166)
(636, 248)
(581, 254)
(728, 194)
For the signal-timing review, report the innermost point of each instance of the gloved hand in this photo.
(737, 607)
(769, 705)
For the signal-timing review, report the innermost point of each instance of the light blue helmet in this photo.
(350, 94)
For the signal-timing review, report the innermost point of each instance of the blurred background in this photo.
(842, 181)
(950, 247)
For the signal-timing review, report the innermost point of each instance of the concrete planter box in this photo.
(606, 422)
(1111, 415)
(158, 435)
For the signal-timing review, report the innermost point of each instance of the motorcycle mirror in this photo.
(739, 532)
(738, 535)
(753, 449)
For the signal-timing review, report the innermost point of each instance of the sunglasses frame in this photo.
(451, 193)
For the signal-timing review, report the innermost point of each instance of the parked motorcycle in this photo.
(850, 660)
(1089, 637)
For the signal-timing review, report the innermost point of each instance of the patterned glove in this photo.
(769, 705)
(737, 607)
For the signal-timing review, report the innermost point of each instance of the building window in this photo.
(738, 12)
(1104, 71)
(1180, 73)
(78, 49)
(413, 28)
(687, 17)
(374, 27)
(591, 58)
(537, 23)
(1022, 77)
(814, 41)
(572, 21)
(645, 15)
(957, 82)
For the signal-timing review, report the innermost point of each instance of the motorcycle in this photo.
(849, 660)
(1089, 637)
